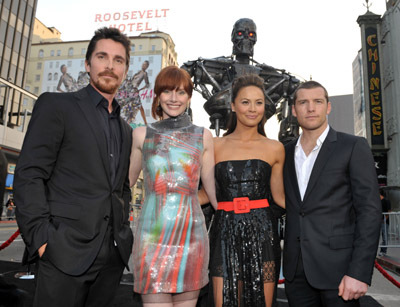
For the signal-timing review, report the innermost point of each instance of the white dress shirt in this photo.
(304, 164)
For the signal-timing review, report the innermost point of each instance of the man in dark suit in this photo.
(71, 183)
(333, 208)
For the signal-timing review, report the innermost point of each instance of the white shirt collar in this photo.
(320, 139)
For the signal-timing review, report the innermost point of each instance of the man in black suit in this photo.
(71, 183)
(333, 208)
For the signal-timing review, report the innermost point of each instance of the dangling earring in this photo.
(159, 109)
(187, 108)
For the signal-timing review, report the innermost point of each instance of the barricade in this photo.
(390, 230)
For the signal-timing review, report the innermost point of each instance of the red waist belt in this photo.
(242, 204)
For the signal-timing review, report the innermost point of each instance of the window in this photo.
(51, 64)
(153, 47)
(82, 63)
(140, 47)
(69, 63)
(83, 51)
(71, 51)
(10, 36)
(41, 53)
(50, 76)
(58, 52)
(37, 78)
(150, 72)
(56, 76)
(36, 90)
(151, 59)
(57, 64)
(133, 48)
(51, 52)
(39, 65)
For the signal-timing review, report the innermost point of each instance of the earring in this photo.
(159, 109)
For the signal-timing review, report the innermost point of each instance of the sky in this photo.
(316, 39)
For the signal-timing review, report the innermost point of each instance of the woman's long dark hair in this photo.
(238, 84)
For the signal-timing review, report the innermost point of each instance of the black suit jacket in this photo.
(336, 226)
(62, 186)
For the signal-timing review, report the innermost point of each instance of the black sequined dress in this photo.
(245, 246)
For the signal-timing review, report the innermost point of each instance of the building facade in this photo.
(16, 25)
(341, 116)
(52, 58)
(377, 68)
(390, 46)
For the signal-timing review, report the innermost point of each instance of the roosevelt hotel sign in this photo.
(133, 22)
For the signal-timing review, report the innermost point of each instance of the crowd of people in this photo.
(79, 160)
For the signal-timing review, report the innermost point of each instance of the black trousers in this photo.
(96, 287)
(300, 293)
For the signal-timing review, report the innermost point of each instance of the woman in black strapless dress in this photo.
(245, 248)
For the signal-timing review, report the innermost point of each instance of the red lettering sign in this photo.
(141, 19)
(371, 40)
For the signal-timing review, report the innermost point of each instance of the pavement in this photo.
(390, 261)
(21, 290)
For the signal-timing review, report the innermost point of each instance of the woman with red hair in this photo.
(171, 249)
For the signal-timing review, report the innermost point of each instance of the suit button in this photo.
(106, 217)
(298, 239)
(302, 213)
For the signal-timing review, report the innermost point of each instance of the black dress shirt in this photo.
(111, 126)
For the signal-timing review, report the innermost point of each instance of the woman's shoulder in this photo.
(271, 143)
(219, 141)
(139, 130)
(273, 149)
(139, 134)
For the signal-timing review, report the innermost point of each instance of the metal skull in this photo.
(244, 37)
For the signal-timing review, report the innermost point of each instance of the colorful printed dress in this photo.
(171, 249)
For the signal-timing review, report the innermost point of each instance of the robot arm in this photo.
(219, 73)
(280, 87)
(211, 78)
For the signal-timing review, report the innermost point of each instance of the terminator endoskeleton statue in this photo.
(218, 73)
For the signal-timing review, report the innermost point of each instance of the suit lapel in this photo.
(323, 157)
(91, 114)
(291, 169)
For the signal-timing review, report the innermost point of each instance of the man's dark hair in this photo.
(309, 85)
(109, 33)
(62, 66)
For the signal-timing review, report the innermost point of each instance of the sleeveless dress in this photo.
(171, 248)
(244, 246)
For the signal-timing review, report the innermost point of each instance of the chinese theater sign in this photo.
(374, 86)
